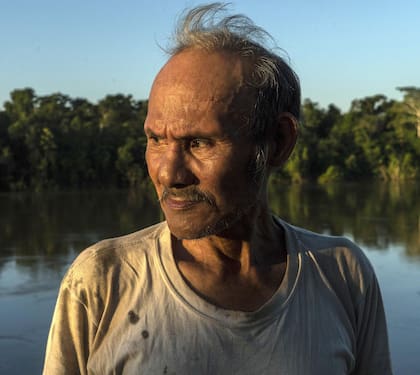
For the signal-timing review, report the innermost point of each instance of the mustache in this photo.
(189, 194)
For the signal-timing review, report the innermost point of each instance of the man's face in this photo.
(198, 154)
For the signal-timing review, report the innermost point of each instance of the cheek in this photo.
(227, 177)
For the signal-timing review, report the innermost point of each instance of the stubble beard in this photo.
(221, 226)
(256, 178)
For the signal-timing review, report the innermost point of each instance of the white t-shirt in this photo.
(124, 308)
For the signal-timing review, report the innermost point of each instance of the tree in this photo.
(312, 154)
(19, 110)
(412, 103)
(55, 141)
(6, 159)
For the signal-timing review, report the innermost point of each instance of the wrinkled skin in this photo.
(197, 155)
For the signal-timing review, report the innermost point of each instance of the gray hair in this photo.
(277, 85)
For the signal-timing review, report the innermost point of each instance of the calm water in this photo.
(40, 234)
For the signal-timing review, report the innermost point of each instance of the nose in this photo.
(174, 169)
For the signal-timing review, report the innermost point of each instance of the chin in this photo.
(189, 233)
(220, 227)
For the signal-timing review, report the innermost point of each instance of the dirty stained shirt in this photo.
(124, 308)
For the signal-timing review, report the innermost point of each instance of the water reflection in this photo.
(47, 224)
(375, 215)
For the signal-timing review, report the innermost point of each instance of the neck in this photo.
(247, 245)
(238, 269)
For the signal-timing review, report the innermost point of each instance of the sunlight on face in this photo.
(197, 159)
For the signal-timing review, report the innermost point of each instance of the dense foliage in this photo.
(377, 138)
(55, 141)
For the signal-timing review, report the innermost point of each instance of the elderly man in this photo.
(222, 286)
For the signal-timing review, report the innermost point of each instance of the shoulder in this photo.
(342, 249)
(339, 269)
(130, 253)
(108, 275)
(338, 260)
(318, 242)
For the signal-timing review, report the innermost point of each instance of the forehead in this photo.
(221, 71)
(196, 80)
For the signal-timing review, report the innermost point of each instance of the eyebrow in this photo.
(191, 134)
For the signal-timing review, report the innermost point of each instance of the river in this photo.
(41, 233)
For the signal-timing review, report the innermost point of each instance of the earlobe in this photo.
(284, 139)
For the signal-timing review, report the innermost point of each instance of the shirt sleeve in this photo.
(71, 334)
(373, 356)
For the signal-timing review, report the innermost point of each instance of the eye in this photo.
(199, 143)
(153, 138)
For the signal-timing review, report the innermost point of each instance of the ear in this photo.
(284, 139)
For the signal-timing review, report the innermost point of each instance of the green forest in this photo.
(58, 142)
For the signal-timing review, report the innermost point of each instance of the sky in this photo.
(341, 50)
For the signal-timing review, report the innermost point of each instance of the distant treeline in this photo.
(55, 141)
